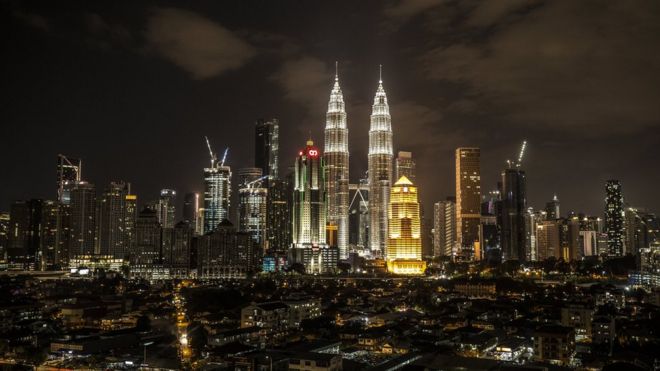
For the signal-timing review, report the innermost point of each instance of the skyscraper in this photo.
(83, 220)
(252, 205)
(309, 198)
(25, 234)
(380, 170)
(552, 211)
(404, 245)
(69, 172)
(111, 220)
(148, 242)
(166, 208)
(614, 218)
(514, 210)
(190, 208)
(358, 217)
(444, 227)
(468, 198)
(130, 218)
(217, 192)
(336, 166)
(266, 147)
(405, 166)
(278, 215)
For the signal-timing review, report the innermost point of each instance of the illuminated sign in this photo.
(313, 153)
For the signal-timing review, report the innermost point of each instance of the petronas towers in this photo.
(337, 169)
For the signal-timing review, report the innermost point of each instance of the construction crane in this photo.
(250, 184)
(518, 163)
(224, 157)
(213, 156)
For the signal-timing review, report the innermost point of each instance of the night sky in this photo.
(132, 88)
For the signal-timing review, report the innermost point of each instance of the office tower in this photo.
(226, 253)
(588, 242)
(309, 239)
(358, 215)
(380, 170)
(69, 172)
(405, 166)
(532, 220)
(636, 230)
(52, 237)
(25, 234)
(190, 208)
(309, 198)
(266, 148)
(177, 243)
(444, 227)
(336, 159)
(552, 209)
(111, 220)
(166, 208)
(278, 214)
(130, 218)
(614, 218)
(514, 209)
(4, 235)
(83, 220)
(148, 242)
(404, 245)
(217, 193)
(489, 247)
(468, 199)
(252, 205)
(547, 240)
(569, 238)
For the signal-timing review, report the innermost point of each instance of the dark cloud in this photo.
(198, 45)
(305, 81)
(32, 20)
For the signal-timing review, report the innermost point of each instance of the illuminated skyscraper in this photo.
(404, 245)
(266, 147)
(278, 215)
(614, 218)
(166, 208)
(468, 198)
(252, 205)
(552, 211)
(130, 219)
(380, 170)
(444, 227)
(69, 172)
(111, 220)
(310, 246)
(217, 191)
(336, 166)
(25, 219)
(405, 166)
(190, 208)
(309, 198)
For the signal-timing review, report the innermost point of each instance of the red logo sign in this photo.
(313, 152)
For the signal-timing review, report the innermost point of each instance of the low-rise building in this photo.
(554, 344)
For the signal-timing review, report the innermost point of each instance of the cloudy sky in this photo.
(133, 87)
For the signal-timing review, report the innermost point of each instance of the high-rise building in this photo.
(266, 147)
(404, 245)
(514, 210)
(552, 211)
(309, 243)
(130, 218)
(278, 215)
(166, 208)
(226, 253)
(405, 166)
(336, 167)
(444, 227)
(614, 218)
(532, 220)
(252, 205)
(358, 215)
(637, 228)
(190, 208)
(69, 172)
(468, 199)
(548, 240)
(83, 220)
(309, 198)
(177, 243)
(25, 234)
(217, 192)
(380, 170)
(111, 220)
(148, 242)
(4, 235)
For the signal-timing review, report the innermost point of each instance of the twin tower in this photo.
(337, 168)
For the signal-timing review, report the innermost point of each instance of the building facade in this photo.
(614, 218)
(514, 209)
(468, 198)
(404, 245)
(266, 147)
(444, 228)
(217, 193)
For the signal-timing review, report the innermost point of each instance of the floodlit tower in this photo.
(404, 247)
(380, 169)
(217, 191)
(336, 166)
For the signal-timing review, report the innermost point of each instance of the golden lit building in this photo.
(404, 243)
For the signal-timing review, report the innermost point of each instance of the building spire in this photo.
(380, 73)
(336, 71)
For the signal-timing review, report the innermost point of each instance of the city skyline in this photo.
(174, 95)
